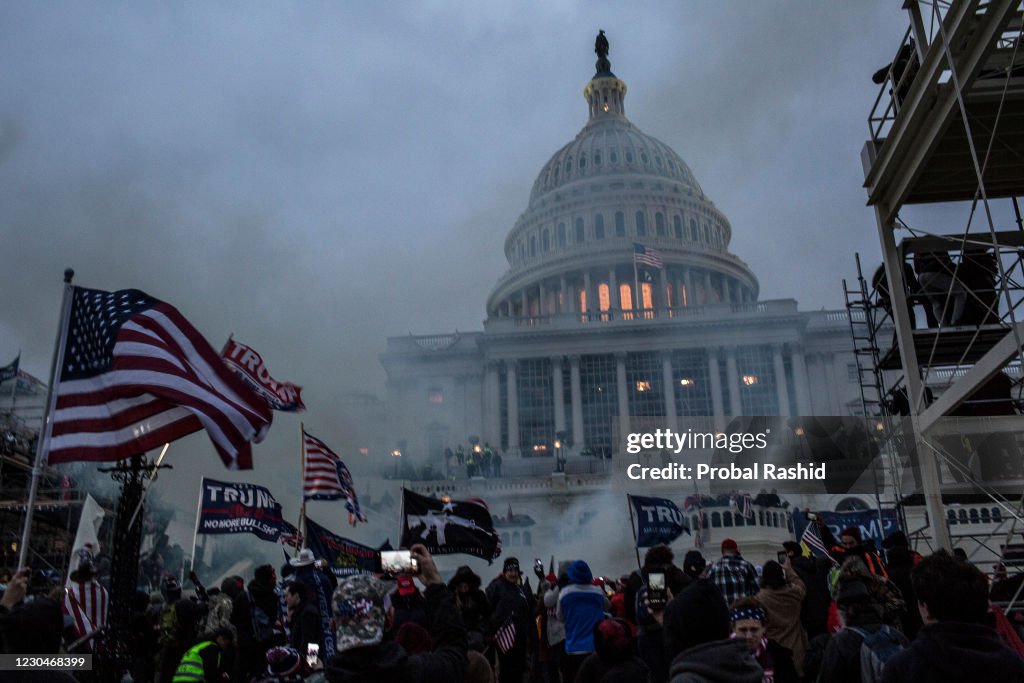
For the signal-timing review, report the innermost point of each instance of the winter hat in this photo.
(283, 661)
(730, 546)
(478, 669)
(360, 607)
(697, 615)
(265, 574)
(232, 586)
(464, 575)
(613, 640)
(579, 572)
(772, 575)
(696, 560)
(852, 591)
(413, 638)
(510, 563)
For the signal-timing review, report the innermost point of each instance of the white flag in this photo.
(87, 537)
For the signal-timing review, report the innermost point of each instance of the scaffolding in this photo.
(948, 126)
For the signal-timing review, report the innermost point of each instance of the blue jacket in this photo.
(580, 607)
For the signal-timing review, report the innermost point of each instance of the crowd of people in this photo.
(849, 617)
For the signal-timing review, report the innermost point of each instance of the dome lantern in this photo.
(605, 94)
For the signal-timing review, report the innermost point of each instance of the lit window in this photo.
(603, 297)
(626, 297)
(750, 380)
(647, 293)
(583, 299)
(435, 396)
(364, 451)
(686, 382)
(643, 385)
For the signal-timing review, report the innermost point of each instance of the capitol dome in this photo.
(617, 228)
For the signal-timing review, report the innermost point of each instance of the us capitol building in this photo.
(621, 299)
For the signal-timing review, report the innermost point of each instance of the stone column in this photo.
(513, 409)
(622, 391)
(800, 380)
(707, 288)
(668, 383)
(665, 296)
(781, 388)
(732, 376)
(690, 292)
(566, 303)
(524, 295)
(714, 374)
(829, 375)
(492, 404)
(613, 294)
(542, 300)
(558, 392)
(590, 295)
(576, 396)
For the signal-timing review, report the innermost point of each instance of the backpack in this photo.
(262, 625)
(875, 650)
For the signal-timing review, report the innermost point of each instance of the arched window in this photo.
(599, 227)
(985, 516)
(515, 538)
(740, 520)
(646, 295)
(997, 515)
(641, 224)
(693, 230)
(546, 240)
(583, 161)
(677, 225)
(707, 233)
(716, 520)
(726, 519)
(527, 538)
(626, 298)
(962, 515)
(620, 224)
(504, 538)
(604, 299)
(974, 516)
(597, 158)
(951, 517)
(579, 230)
(561, 234)
(659, 224)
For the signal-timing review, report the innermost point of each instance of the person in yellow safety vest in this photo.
(204, 661)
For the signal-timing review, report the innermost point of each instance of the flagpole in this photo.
(302, 486)
(51, 398)
(632, 526)
(145, 491)
(636, 284)
(401, 517)
(195, 531)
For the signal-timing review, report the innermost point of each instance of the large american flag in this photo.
(646, 256)
(327, 478)
(135, 375)
(86, 603)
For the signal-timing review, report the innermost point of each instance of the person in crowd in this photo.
(169, 641)
(581, 605)
(658, 559)
(781, 596)
(900, 561)
(413, 638)
(696, 634)
(511, 604)
(203, 662)
(854, 546)
(408, 603)
(861, 629)
(472, 606)
(954, 644)
(883, 592)
(946, 294)
(221, 604)
(30, 628)
(614, 659)
(254, 614)
(284, 665)
(814, 573)
(361, 612)
(694, 564)
(618, 599)
(749, 619)
(478, 669)
(554, 628)
(142, 638)
(735, 577)
(303, 616)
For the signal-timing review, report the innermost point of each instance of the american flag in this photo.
(811, 540)
(86, 603)
(135, 374)
(505, 637)
(327, 478)
(646, 256)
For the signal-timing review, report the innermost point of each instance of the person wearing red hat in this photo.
(733, 575)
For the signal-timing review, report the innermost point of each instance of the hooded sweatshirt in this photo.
(719, 661)
(954, 651)
(581, 605)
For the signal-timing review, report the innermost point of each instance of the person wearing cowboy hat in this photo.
(319, 587)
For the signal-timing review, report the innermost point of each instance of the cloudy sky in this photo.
(314, 177)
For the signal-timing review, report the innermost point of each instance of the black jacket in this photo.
(306, 627)
(719, 661)
(952, 652)
(900, 562)
(841, 660)
(511, 601)
(627, 670)
(388, 662)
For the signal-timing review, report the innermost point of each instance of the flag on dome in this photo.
(325, 477)
(645, 256)
(134, 374)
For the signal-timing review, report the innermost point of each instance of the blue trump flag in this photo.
(236, 508)
(656, 520)
(343, 557)
(871, 529)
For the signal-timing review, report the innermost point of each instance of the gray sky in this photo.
(314, 177)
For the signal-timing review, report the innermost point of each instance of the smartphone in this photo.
(782, 555)
(538, 566)
(398, 562)
(812, 516)
(656, 595)
(312, 654)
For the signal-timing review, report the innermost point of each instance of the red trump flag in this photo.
(134, 374)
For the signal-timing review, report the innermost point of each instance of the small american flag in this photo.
(505, 637)
(135, 375)
(748, 510)
(811, 540)
(646, 256)
(86, 603)
(327, 478)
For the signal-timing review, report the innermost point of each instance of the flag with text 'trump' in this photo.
(135, 374)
